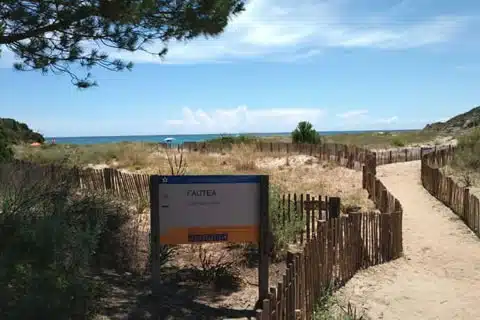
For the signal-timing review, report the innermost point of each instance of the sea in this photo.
(179, 139)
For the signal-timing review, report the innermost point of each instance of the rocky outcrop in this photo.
(457, 124)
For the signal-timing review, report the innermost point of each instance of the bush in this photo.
(283, 234)
(305, 133)
(16, 132)
(216, 268)
(228, 139)
(467, 157)
(468, 153)
(397, 142)
(6, 152)
(50, 238)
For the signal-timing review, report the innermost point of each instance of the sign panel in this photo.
(196, 209)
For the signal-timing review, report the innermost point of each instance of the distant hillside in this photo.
(461, 122)
(13, 132)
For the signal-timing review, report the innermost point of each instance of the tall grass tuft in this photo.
(467, 157)
(283, 234)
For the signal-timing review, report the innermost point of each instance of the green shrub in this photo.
(128, 155)
(305, 133)
(17, 132)
(329, 307)
(51, 237)
(228, 139)
(283, 234)
(467, 156)
(6, 152)
(397, 142)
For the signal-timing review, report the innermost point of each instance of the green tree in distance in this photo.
(6, 152)
(305, 133)
(54, 35)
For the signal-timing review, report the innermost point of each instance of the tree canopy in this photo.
(12, 132)
(54, 35)
(6, 152)
(305, 133)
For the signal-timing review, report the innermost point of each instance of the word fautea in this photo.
(201, 193)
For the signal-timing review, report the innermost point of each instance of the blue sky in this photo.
(340, 64)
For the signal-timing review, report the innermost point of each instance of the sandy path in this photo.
(439, 277)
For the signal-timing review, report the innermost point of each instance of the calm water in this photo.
(178, 138)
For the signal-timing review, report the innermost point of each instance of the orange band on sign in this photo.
(235, 234)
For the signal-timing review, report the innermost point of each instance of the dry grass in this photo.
(128, 155)
(292, 173)
(464, 168)
(374, 139)
(384, 139)
(464, 178)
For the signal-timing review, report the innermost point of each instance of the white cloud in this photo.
(352, 114)
(361, 119)
(279, 30)
(242, 119)
(282, 30)
(387, 120)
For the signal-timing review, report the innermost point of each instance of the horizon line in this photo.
(223, 133)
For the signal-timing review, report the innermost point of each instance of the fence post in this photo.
(466, 204)
(107, 177)
(371, 186)
(364, 177)
(450, 191)
(334, 207)
(307, 217)
(384, 206)
(291, 264)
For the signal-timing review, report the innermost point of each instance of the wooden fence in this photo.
(337, 249)
(309, 210)
(457, 198)
(348, 156)
(340, 248)
(398, 155)
(128, 186)
(134, 186)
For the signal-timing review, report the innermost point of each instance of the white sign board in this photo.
(209, 208)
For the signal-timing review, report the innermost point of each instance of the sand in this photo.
(439, 276)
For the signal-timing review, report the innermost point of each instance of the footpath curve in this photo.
(439, 275)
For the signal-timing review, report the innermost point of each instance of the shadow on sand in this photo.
(182, 297)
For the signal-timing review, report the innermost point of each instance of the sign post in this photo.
(210, 208)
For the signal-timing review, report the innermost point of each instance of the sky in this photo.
(340, 64)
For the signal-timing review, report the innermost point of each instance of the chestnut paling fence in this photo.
(132, 186)
(335, 246)
(444, 188)
(337, 250)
